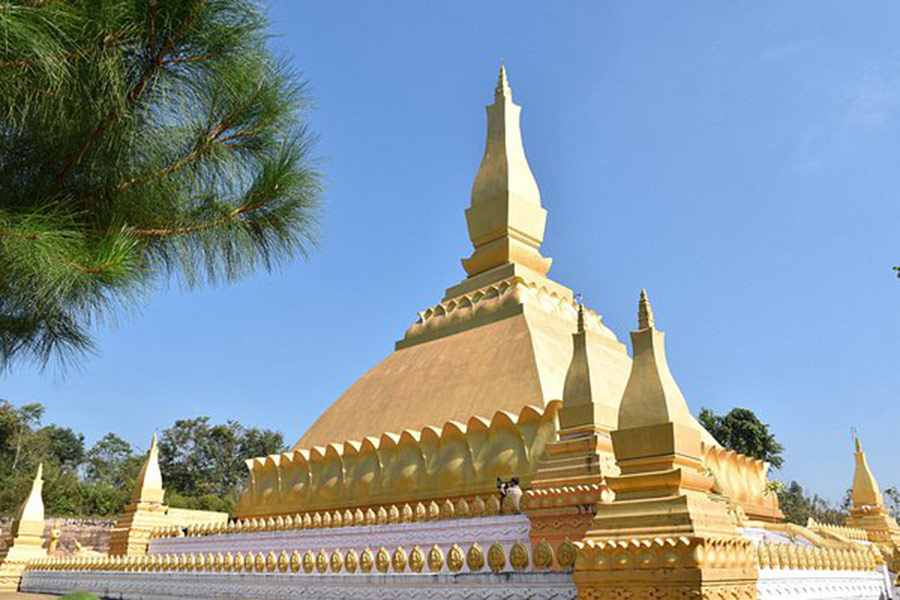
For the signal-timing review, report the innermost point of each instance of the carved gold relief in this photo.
(456, 460)
(435, 558)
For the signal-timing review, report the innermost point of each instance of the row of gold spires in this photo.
(400, 560)
(792, 556)
(477, 506)
(847, 533)
(726, 553)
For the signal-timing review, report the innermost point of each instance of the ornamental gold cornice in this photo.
(496, 299)
(802, 557)
(665, 553)
(399, 559)
(342, 482)
(581, 494)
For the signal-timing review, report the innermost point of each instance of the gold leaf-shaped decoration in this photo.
(316, 521)
(326, 519)
(416, 560)
(421, 513)
(309, 561)
(359, 517)
(478, 507)
(227, 562)
(366, 561)
(270, 524)
(493, 505)
(448, 510)
(382, 560)
(279, 523)
(271, 562)
(336, 561)
(307, 521)
(434, 511)
(435, 559)
(381, 517)
(475, 557)
(259, 562)
(371, 517)
(496, 557)
(296, 562)
(189, 562)
(241, 560)
(289, 522)
(351, 561)
(399, 560)
(543, 555)
(199, 563)
(284, 562)
(348, 518)
(455, 558)
(394, 514)
(218, 562)
(337, 520)
(462, 508)
(518, 556)
(565, 555)
(322, 561)
(406, 515)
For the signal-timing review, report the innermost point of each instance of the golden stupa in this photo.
(508, 448)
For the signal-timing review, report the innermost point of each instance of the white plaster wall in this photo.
(822, 585)
(547, 585)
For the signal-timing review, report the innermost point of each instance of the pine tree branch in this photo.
(20, 235)
(111, 41)
(163, 232)
(212, 137)
(156, 63)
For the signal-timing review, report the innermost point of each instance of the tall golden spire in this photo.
(31, 513)
(652, 396)
(865, 489)
(25, 538)
(148, 486)
(506, 221)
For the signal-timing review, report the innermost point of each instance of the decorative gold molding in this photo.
(398, 559)
(744, 480)
(343, 482)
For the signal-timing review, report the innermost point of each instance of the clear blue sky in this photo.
(739, 160)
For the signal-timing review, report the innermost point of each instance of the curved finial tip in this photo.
(858, 445)
(645, 312)
(503, 90)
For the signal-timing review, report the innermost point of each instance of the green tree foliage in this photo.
(799, 508)
(742, 431)
(140, 140)
(202, 464)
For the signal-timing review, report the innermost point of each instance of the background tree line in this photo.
(742, 431)
(202, 463)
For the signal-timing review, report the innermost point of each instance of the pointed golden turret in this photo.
(131, 533)
(26, 536)
(652, 396)
(148, 486)
(869, 512)
(585, 405)
(582, 456)
(506, 221)
(865, 489)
